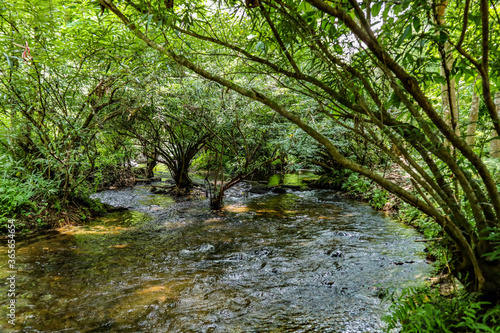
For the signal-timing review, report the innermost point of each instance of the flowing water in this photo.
(304, 261)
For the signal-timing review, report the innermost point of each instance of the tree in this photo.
(244, 143)
(473, 117)
(173, 126)
(383, 81)
(495, 140)
(448, 87)
(54, 104)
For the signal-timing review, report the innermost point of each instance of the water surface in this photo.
(305, 261)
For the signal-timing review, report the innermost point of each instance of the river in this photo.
(304, 261)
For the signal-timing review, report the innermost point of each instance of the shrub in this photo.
(379, 199)
(424, 310)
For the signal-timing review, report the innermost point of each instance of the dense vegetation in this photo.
(391, 97)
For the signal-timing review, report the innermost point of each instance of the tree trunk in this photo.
(473, 115)
(181, 178)
(448, 89)
(216, 202)
(495, 141)
(449, 97)
(150, 165)
(491, 271)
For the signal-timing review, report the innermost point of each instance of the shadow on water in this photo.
(297, 262)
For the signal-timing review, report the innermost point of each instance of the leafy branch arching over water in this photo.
(352, 61)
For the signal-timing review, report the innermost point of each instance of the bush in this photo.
(424, 310)
(19, 197)
(34, 201)
(205, 161)
(379, 199)
(18, 186)
(412, 216)
(356, 184)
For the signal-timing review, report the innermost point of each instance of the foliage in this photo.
(246, 142)
(414, 217)
(61, 81)
(494, 237)
(50, 107)
(391, 84)
(113, 167)
(20, 189)
(356, 184)
(173, 123)
(379, 199)
(333, 178)
(424, 310)
(206, 160)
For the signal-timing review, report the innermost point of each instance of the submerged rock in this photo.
(335, 254)
(259, 189)
(278, 190)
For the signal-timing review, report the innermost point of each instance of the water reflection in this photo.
(293, 179)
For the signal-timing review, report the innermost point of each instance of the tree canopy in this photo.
(385, 71)
(415, 82)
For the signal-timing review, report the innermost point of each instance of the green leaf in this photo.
(405, 35)
(394, 100)
(376, 8)
(332, 29)
(396, 9)
(11, 65)
(496, 81)
(385, 13)
(478, 87)
(422, 43)
(409, 59)
(149, 20)
(260, 46)
(443, 36)
(475, 18)
(416, 24)
(483, 327)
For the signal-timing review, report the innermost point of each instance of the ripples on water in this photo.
(297, 262)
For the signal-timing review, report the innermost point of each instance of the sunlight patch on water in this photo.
(94, 230)
(158, 200)
(120, 246)
(295, 179)
(266, 211)
(129, 218)
(212, 220)
(153, 289)
(236, 208)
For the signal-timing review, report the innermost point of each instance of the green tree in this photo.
(173, 125)
(382, 77)
(244, 143)
(60, 83)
